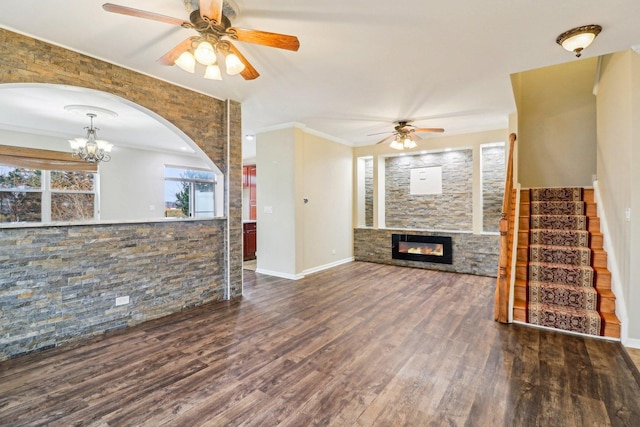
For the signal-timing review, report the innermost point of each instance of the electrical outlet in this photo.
(122, 300)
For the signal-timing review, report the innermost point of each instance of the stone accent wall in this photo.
(61, 283)
(493, 176)
(212, 256)
(451, 210)
(234, 183)
(368, 192)
(472, 253)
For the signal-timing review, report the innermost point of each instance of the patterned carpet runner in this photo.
(561, 280)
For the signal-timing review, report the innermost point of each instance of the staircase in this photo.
(562, 279)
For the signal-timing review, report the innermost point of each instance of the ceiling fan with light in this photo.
(404, 135)
(216, 35)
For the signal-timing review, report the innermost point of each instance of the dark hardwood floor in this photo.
(361, 344)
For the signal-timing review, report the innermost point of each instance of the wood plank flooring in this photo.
(358, 345)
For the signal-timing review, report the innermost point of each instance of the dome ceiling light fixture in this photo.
(579, 38)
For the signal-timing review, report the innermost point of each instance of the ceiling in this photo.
(362, 64)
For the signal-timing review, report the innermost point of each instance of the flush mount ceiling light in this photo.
(577, 39)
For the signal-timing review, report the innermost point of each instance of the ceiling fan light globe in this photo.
(395, 144)
(233, 64)
(187, 62)
(205, 53)
(212, 72)
(408, 143)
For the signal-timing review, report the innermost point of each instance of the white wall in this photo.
(130, 183)
(298, 238)
(276, 208)
(618, 157)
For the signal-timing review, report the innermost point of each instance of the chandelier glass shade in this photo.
(90, 148)
(204, 52)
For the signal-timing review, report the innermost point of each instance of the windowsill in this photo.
(10, 225)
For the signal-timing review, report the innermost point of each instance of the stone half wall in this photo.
(472, 253)
(60, 283)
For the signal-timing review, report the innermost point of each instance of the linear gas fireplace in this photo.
(422, 248)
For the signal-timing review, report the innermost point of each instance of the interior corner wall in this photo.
(294, 237)
(275, 202)
(557, 125)
(618, 134)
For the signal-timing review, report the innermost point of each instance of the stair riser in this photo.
(598, 258)
(611, 330)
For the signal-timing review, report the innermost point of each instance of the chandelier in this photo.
(204, 51)
(402, 141)
(90, 148)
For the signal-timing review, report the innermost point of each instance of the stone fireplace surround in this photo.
(474, 253)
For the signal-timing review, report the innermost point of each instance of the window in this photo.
(189, 192)
(72, 195)
(34, 195)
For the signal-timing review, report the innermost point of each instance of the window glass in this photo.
(13, 178)
(20, 206)
(72, 181)
(72, 206)
(189, 193)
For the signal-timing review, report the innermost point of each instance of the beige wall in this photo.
(328, 235)
(618, 115)
(297, 238)
(556, 125)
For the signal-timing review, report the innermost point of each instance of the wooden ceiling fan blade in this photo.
(385, 139)
(123, 10)
(378, 133)
(429, 130)
(249, 73)
(281, 41)
(170, 57)
(211, 9)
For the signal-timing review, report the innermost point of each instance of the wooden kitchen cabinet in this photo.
(249, 240)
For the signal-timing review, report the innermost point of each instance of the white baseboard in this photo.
(279, 274)
(562, 331)
(612, 265)
(305, 272)
(327, 266)
(632, 343)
